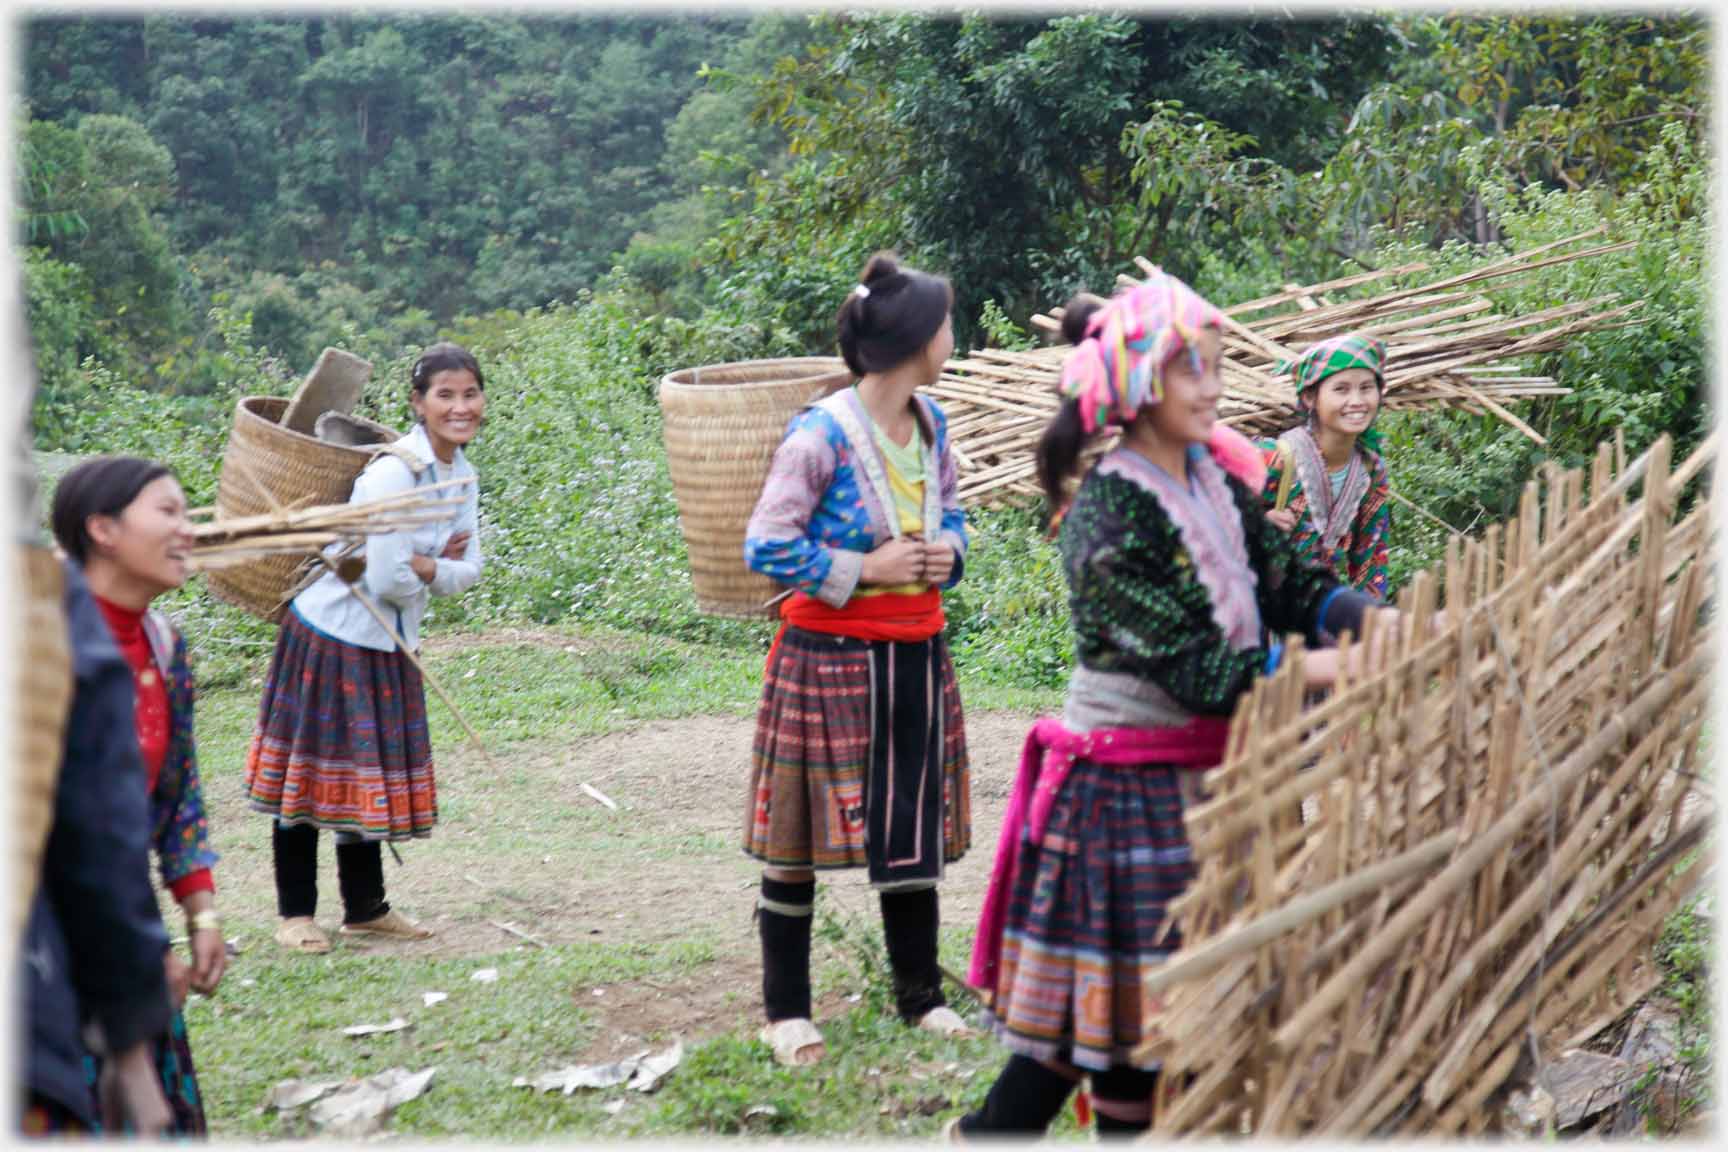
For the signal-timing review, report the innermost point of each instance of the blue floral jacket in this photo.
(826, 502)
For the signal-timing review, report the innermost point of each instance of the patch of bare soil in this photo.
(524, 846)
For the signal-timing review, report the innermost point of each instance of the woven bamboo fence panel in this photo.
(1457, 863)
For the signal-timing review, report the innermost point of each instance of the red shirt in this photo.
(152, 714)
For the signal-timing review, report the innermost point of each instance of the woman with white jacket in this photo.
(342, 742)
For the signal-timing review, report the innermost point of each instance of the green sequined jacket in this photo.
(1138, 607)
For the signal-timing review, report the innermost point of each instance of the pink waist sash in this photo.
(1048, 754)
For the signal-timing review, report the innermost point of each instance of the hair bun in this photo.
(1077, 314)
(881, 266)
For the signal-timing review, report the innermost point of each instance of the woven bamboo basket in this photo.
(295, 469)
(722, 424)
(42, 698)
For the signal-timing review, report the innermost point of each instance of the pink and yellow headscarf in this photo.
(1119, 368)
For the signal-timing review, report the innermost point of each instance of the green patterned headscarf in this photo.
(1338, 354)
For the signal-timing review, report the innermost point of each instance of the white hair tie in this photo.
(861, 292)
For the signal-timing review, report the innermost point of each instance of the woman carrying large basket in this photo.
(860, 750)
(342, 742)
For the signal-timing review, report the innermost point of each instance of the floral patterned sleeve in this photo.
(1297, 593)
(1372, 532)
(953, 527)
(181, 828)
(1274, 472)
(778, 541)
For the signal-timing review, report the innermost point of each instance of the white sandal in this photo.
(790, 1038)
(944, 1021)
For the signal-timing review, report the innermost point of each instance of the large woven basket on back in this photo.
(42, 699)
(722, 424)
(296, 470)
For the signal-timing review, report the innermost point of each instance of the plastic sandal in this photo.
(944, 1021)
(302, 934)
(392, 924)
(792, 1038)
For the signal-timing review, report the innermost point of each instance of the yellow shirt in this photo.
(906, 481)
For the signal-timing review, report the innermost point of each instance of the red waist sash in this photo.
(891, 616)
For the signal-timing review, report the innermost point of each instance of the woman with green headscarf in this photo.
(1325, 480)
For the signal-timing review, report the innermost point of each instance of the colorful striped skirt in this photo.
(1085, 914)
(860, 759)
(341, 741)
(179, 1081)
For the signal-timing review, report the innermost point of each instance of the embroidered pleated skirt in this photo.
(1086, 915)
(341, 741)
(175, 1070)
(860, 759)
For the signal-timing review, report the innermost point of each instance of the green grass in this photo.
(880, 1080)
(281, 1017)
(1684, 952)
(287, 1024)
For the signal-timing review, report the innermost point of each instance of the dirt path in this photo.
(521, 844)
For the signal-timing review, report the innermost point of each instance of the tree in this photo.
(994, 149)
(115, 180)
(1554, 101)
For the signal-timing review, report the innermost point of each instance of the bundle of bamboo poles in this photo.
(1447, 346)
(309, 532)
(1456, 866)
(220, 543)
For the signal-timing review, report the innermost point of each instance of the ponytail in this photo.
(1059, 448)
(891, 316)
(1058, 456)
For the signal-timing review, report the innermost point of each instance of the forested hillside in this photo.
(592, 201)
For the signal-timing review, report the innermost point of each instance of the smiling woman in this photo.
(1326, 483)
(123, 521)
(341, 741)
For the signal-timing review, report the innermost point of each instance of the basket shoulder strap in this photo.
(407, 456)
(1286, 475)
(160, 633)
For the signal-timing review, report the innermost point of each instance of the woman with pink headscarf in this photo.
(1176, 582)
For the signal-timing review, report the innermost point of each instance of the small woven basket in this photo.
(297, 471)
(722, 424)
(42, 700)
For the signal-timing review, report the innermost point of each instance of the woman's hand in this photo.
(457, 547)
(938, 563)
(1391, 627)
(131, 1093)
(900, 561)
(179, 978)
(1284, 519)
(424, 567)
(1320, 667)
(209, 960)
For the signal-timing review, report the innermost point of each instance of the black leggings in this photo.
(359, 873)
(1028, 1096)
(909, 922)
